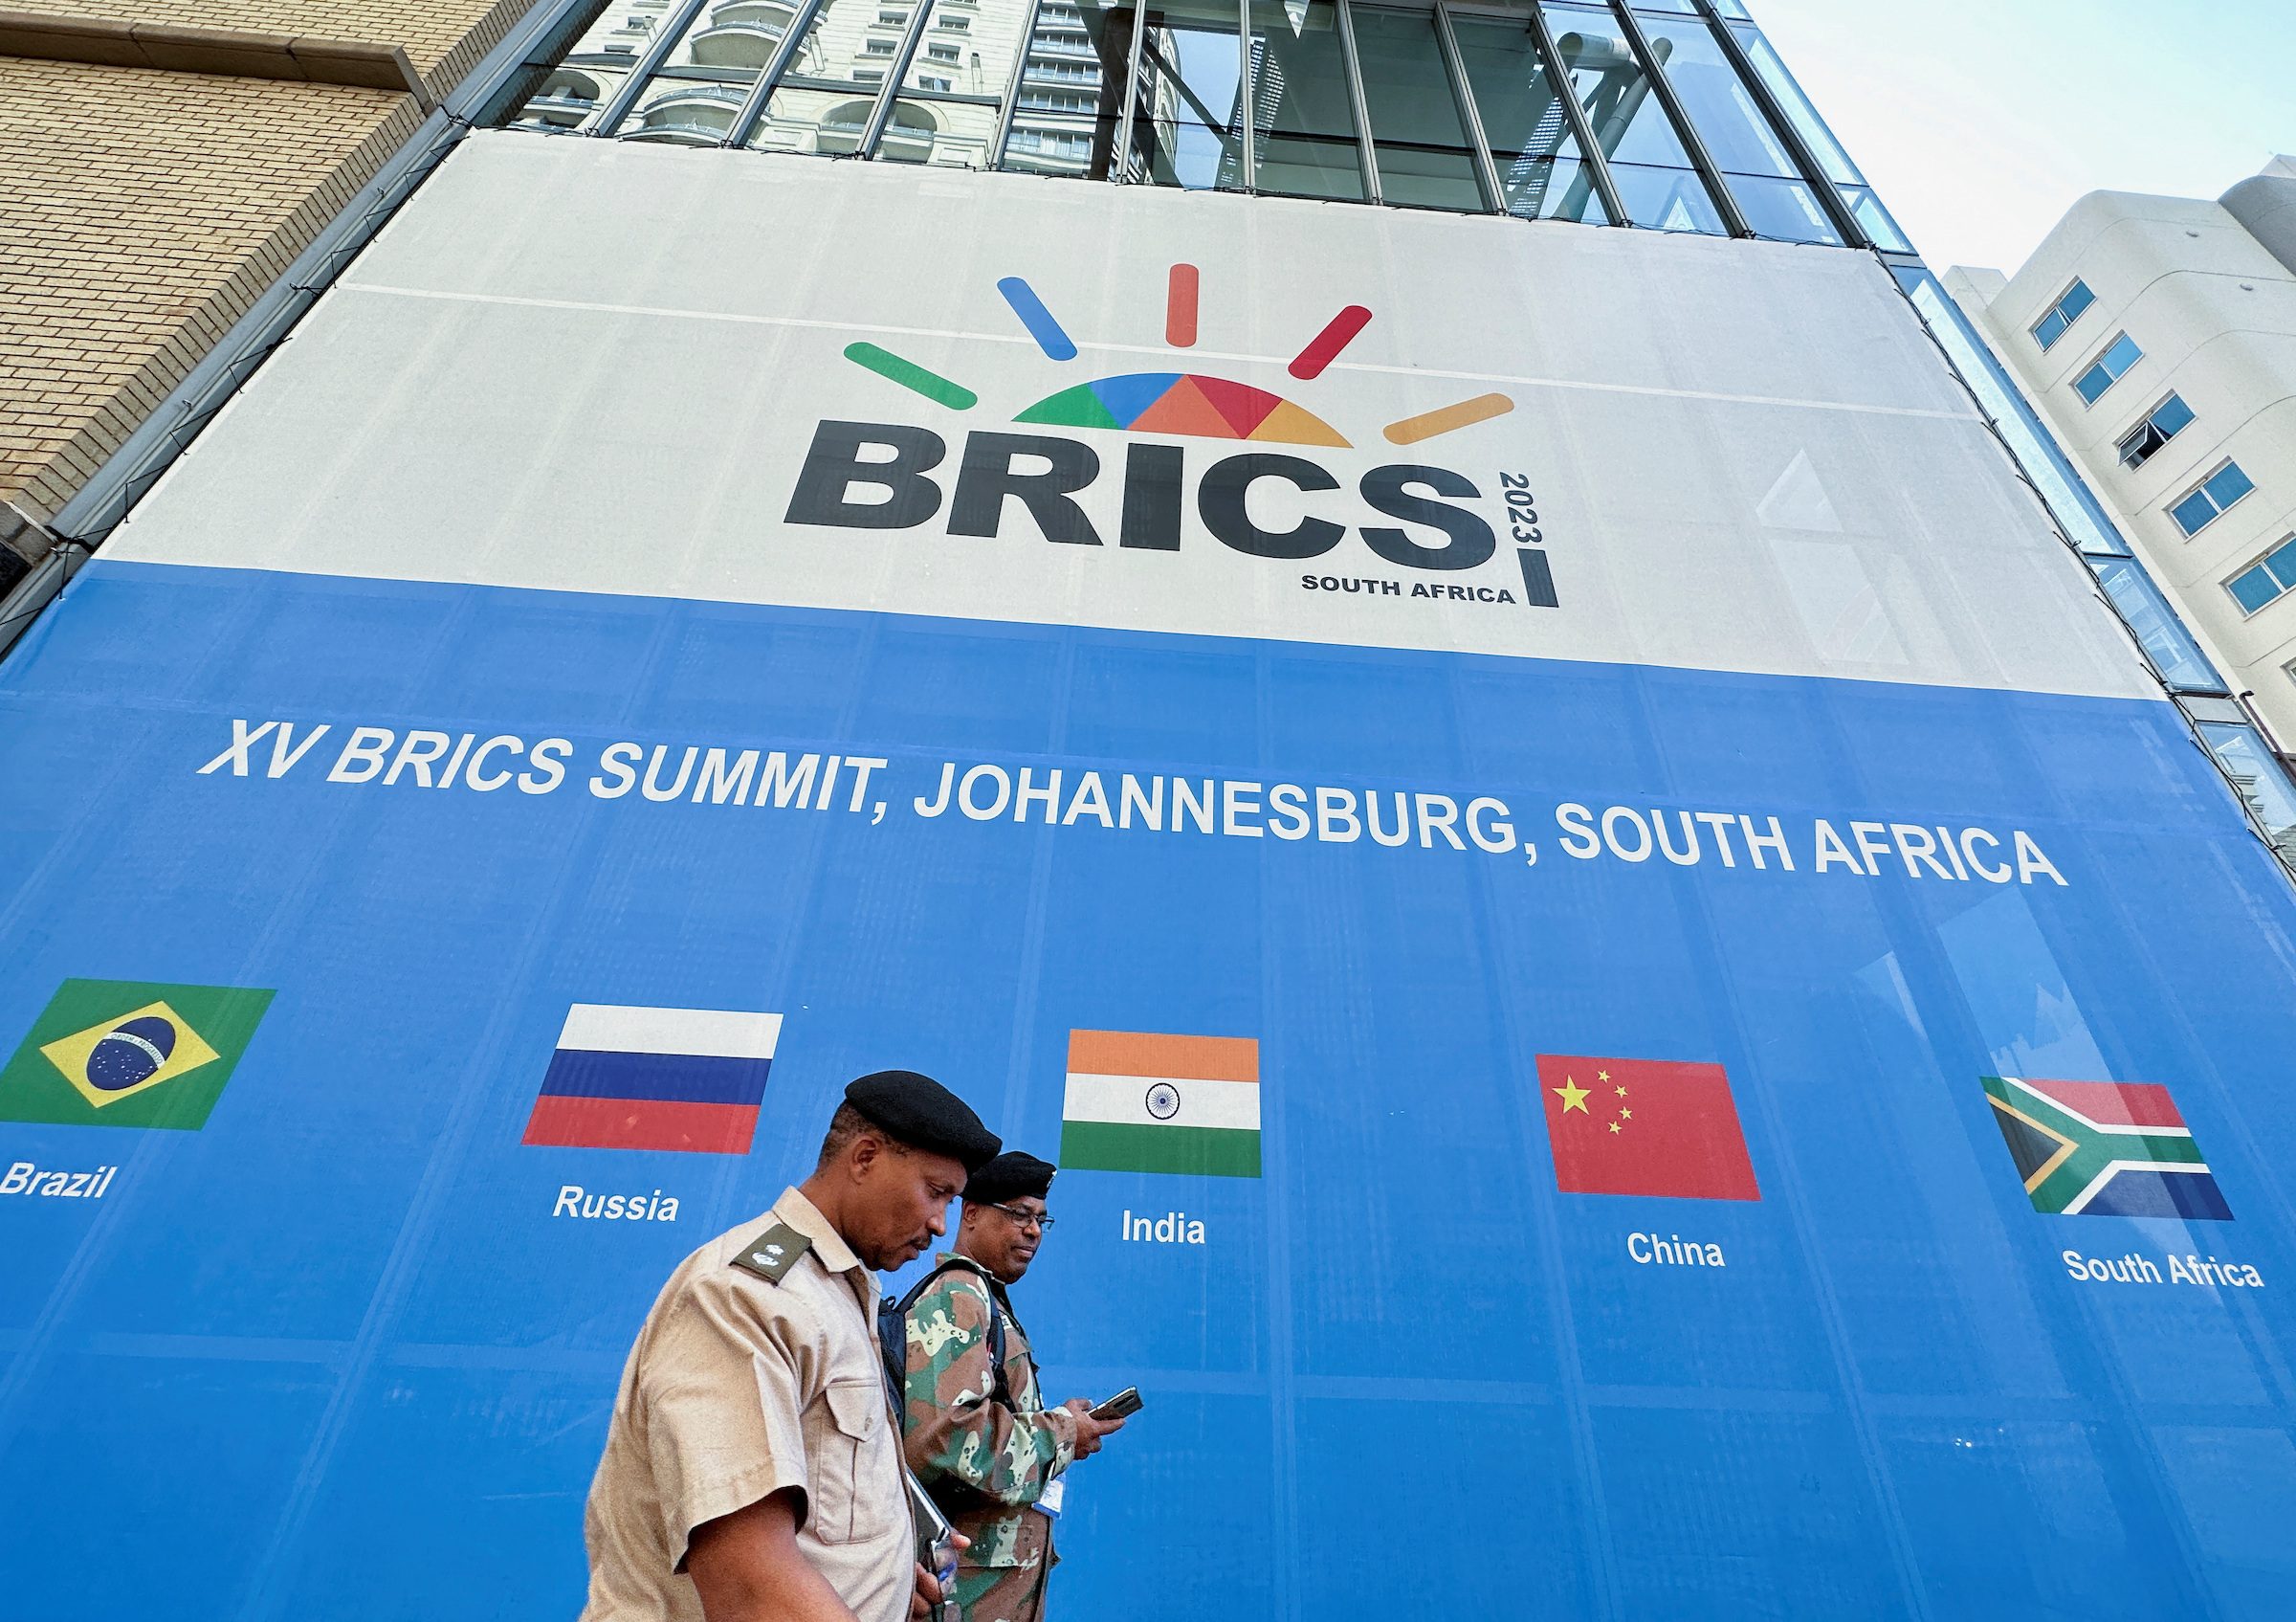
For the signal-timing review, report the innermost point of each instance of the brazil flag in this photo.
(130, 1052)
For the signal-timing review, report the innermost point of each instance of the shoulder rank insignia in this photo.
(773, 1253)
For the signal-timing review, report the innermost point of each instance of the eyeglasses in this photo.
(1042, 1223)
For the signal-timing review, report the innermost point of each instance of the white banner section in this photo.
(721, 375)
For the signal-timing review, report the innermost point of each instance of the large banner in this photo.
(1643, 1012)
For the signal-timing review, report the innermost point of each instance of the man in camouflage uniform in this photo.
(986, 1448)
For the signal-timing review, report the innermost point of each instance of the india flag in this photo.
(1143, 1102)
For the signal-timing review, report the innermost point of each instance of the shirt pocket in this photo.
(856, 1481)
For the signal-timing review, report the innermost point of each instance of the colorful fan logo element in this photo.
(1186, 403)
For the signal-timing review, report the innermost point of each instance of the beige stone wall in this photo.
(142, 213)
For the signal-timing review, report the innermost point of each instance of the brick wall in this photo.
(141, 212)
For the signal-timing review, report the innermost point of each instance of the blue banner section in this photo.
(349, 1349)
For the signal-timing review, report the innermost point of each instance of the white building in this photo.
(2157, 336)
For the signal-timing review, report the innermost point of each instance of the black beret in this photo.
(925, 1114)
(1012, 1175)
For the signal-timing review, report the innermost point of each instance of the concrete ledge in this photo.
(108, 42)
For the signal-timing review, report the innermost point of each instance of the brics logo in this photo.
(1411, 514)
(122, 1053)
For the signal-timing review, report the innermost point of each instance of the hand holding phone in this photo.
(1122, 1405)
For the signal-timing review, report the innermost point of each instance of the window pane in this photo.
(2258, 777)
(1191, 96)
(2281, 561)
(955, 134)
(1303, 116)
(1819, 140)
(1784, 211)
(2253, 588)
(1416, 132)
(826, 95)
(2172, 417)
(2227, 485)
(2077, 298)
(2164, 638)
(2118, 357)
(574, 91)
(1653, 174)
(1524, 119)
(1881, 230)
(1071, 95)
(2193, 511)
(1771, 192)
(1721, 110)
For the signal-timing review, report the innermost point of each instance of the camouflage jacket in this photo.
(984, 1463)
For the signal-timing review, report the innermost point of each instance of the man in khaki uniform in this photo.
(753, 1468)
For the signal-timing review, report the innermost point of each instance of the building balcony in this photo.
(688, 115)
(563, 99)
(739, 44)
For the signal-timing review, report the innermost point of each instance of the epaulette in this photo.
(773, 1253)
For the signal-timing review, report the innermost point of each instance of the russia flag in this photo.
(655, 1078)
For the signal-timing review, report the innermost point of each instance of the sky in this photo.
(1980, 121)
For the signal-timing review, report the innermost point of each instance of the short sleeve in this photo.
(724, 1387)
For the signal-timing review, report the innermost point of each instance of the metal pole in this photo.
(1244, 107)
(1692, 142)
(769, 77)
(1012, 86)
(882, 111)
(1829, 196)
(648, 65)
(1364, 145)
(1120, 147)
(1472, 120)
(1590, 155)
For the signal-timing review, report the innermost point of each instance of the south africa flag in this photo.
(2104, 1149)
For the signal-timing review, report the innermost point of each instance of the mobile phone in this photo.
(1122, 1405)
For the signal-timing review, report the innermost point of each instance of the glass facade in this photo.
(1671, 116)
(1667, 115)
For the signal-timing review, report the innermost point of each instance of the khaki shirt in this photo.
(736, 1389)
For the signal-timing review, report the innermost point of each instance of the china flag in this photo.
(1644, 1126)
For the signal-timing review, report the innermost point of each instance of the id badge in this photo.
(1055, 1492)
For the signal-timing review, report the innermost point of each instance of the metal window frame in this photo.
(1590, 150)
(744, 126)
(1471, 117)
(2056, 308)
(1367, 152)
(2096, 362)
(881, 113)
(1012, 83)
(1119, 146)
(1246, 103)
(641, 74)
(1813, 173)
(1693, 144)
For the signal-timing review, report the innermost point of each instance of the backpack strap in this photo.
(1001, 1387)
